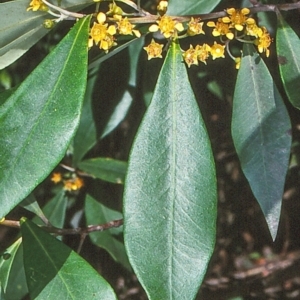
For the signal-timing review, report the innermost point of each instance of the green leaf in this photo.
(54, 271)
(97, 213)
(107, 169)
(113, 110)
(86, 134)
(32, 205)
(170, 190)
(21, 29)
(55, 210)
(12, 274)
(261, 134)
(287, 44)
(5, 95)
(39, 119)
(189, 7)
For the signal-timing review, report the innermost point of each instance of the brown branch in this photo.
(66, 231)
(214, 15)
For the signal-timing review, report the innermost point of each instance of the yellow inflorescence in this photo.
(103, 34)
(70, 183)
(236, 25)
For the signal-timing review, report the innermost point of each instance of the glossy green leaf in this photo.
(170, 190)
(86, 134)
(32, 205)
(287, 44)
(54, 271)
(189, 7)
(55, 210)
(107, 169)
(39, 119)
(102, 113)
(97, 213)
(5, 95)
(12, 274)
(21, 29)
(261, 134)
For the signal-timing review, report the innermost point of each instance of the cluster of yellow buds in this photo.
(70, 183)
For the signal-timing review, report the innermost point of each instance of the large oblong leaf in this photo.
(21, 29)
(261, 134)
(170, 190)
(287, 44)
(39, 119)
(54, 271)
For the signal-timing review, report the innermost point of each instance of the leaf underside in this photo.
(170, 190)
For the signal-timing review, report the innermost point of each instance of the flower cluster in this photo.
(201, 53)
(70, 183)
(107, 26)
(103, 34)
(238, 25)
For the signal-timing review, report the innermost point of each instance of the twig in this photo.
(65, 231)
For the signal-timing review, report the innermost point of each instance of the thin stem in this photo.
(64, 13)
(66, 231)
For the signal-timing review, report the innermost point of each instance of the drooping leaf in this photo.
(16, 285)
(287, 44)
(97, 213)
(107, 169)
(54, 271)
(32, 205)
(21, 29)
(39, 119)
(189, 7)
(261, 134)
(106, 105)
(86, 134)
(170, 190)
(55, 210)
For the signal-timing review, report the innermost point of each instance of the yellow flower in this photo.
(154, 50)
(167, 26)
(237, 62)
(35, 5)
(238, 18)
(217, 51)
(98, 32)
(126, 28)
(73, 184)
(263, 42)
(221, 28)
(195, 27)
(253, 30)
(114, 9)
(101, 32)
(191, 56)
(203, 52)
(107, 43)
(56, 177)
(162, 7)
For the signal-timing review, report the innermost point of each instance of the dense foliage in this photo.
(106, 136)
